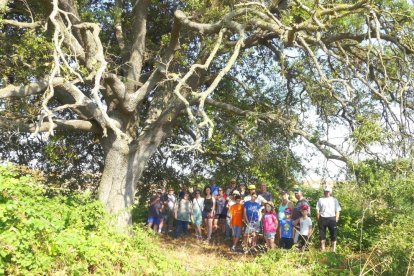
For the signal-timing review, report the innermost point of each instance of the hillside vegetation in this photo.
(45, 230)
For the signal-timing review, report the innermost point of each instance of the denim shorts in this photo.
(269, 235)
(252, 227)
(237, 231)
(154, 220)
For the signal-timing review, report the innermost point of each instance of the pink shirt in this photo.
(269, 222)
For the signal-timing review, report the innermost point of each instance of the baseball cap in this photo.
(283, 192)
(327, 189)
(298, 190)
(304, 207)
(288, 211)
(235, 192)
(251, 187)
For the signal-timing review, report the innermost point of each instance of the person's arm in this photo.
(296, 221)
(293, 232)
(245, 215)
(310, 230)
(317, 211)
(214, 206)
(275, 221)
(280, 232)
(338, 209)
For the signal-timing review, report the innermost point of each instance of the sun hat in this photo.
(327, 189)
(235, 192)
(251, 187)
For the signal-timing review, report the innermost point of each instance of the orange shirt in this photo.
(236, 213)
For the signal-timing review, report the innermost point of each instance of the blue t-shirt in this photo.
(214, 190)
(252, 210)
(287, 228)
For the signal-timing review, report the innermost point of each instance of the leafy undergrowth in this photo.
(42, 232)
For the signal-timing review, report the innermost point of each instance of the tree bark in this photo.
(124, 165)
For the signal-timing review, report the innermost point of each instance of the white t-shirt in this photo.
(328, 206)
(305, 225)
(259, 199)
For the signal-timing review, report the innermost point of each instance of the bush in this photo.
(42, 232)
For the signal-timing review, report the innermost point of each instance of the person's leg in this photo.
(322, 232)
(185, 227)
(209, 228)
(215, 223)
(272, 242)
(333, 232)
(177, 228)
(161, 225)
(228, 229)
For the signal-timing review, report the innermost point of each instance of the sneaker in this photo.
(233, 248)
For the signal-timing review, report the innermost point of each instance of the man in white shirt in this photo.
(252, 190)
(327, 214)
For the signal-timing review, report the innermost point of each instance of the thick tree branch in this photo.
(67, 125)
(23, 25)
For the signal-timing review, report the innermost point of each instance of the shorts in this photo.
(237, 231)
(286, 243)
(154, 220)
(329, 223)
(197, 218)
(207, 215)
(269, 235)
(221, 216)
(252, 227)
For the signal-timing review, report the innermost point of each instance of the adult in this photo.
(214, 187)
(327, 214)
(209, 211)
(183, 211)
(264, 193)
(302, 201)
(252, 190)
(198, 206)
(221, 212)
(285, 203)
(252, 217)
(184, 190)
(243, 191)
(232, 187)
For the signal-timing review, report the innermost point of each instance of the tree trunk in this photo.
(124, 165)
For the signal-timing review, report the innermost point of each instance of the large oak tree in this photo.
(134, 71)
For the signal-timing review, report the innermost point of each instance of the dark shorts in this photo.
(329, 223)
(303, 241)
(154, 220)
(220, 216)
(286, 243)
(207, 215)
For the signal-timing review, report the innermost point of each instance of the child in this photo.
(183, 211)
(269, 225)
(305, 227)
(252, 217)
(236, 220)
(286, 231)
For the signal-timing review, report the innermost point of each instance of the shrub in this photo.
(45, 233)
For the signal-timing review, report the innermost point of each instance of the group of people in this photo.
(242, 214)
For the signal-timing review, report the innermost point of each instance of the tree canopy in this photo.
(236, 79)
